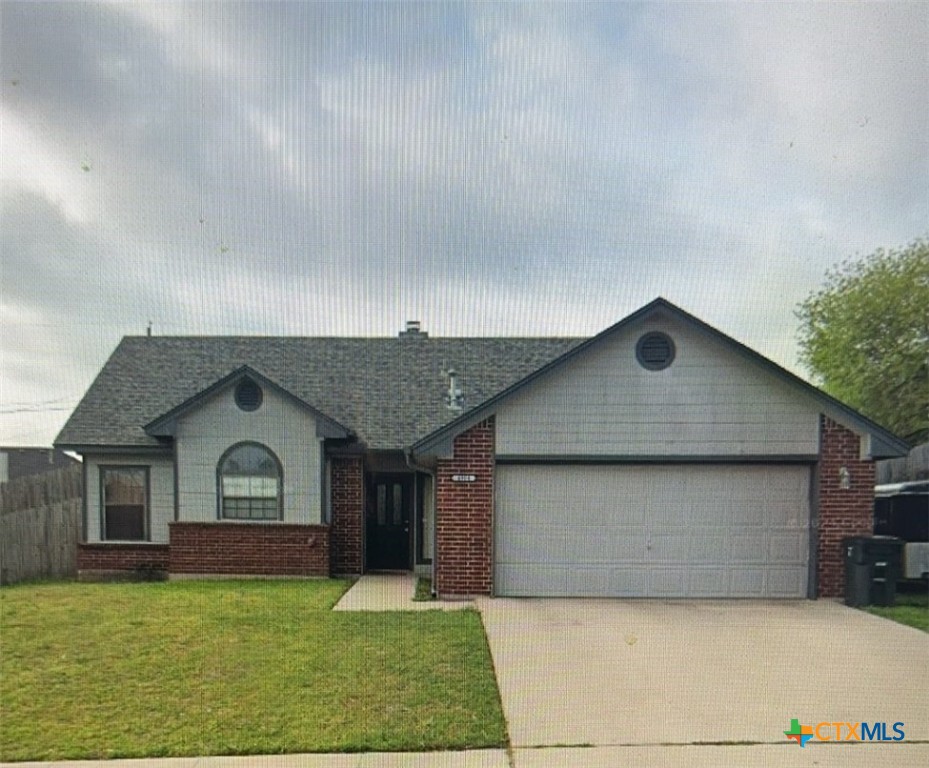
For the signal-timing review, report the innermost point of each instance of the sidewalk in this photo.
(785, 755)
(485, 758)
(685, 756)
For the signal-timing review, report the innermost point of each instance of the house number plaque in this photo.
(464, 478)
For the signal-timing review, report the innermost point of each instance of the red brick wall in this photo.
(347, 497)
(464, 515)
(121, 557)
(841, 512)
(270, 549)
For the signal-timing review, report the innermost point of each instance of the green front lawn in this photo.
(910, 608)
(234, 667)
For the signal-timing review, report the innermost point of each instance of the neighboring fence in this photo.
(40, 524)
(914, 466)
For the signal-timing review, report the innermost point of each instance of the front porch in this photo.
(382, 514)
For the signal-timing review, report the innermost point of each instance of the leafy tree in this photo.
(864, 335)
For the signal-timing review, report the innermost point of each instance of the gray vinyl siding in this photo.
(161, 492)
(205, 434)
(710, 401)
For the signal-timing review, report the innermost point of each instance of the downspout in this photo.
(408, 455)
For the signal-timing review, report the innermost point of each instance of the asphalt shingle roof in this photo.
(389, 391)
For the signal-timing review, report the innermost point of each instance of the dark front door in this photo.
(389, 508)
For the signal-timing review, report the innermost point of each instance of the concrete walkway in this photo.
(392, 592)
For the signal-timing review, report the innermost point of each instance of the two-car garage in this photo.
(652, 530)
(659, 459)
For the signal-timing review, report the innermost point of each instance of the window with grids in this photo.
(250, 483)
(124, 497)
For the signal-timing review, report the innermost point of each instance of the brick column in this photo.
(347, 494)
(464, 515)
(842, 512)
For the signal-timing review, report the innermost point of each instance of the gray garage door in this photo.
(652, 531)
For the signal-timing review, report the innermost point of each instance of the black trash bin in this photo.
(857, 571)
(885, 553)
(873, 565)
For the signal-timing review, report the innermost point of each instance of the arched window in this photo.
(249, 483)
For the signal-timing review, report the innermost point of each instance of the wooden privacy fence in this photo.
(40, 525)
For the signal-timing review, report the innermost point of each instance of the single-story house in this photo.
(659, 458)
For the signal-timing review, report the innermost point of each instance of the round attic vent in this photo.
(248, 395)
(655, 351)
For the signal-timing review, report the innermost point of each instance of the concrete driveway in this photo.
(634, 675)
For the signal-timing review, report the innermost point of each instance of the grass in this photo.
(423, 590)
(911, 608)
(235, 667)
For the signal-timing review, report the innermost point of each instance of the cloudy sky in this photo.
(485, 167)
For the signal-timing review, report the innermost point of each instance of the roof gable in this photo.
(881, 442)
(166, 424)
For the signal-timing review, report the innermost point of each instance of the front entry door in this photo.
(389, 509)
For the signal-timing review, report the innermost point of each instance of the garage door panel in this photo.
(547, 547)
(617, 543)
(707, 548)
(784, 485)
(748, 548)
(533, 489)
(787, 547)
(606, 489)
(785, 582)
(665, 581)
(588, 582)
(533, 580)
(518, 487)
(652, 530)
(709, 512)
(744, 493)
(604, 505)
(627, 582)
(630, 513)
(783, 513)
(750, 513)
(522, 514)
(533, 545)
(602, 511)
(665, 548)
(701, 486)
(664, 513)
(708, 582)
(747, 582)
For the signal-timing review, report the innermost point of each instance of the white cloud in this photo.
(41, 166)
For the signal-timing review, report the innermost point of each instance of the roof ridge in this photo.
(430, 337)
